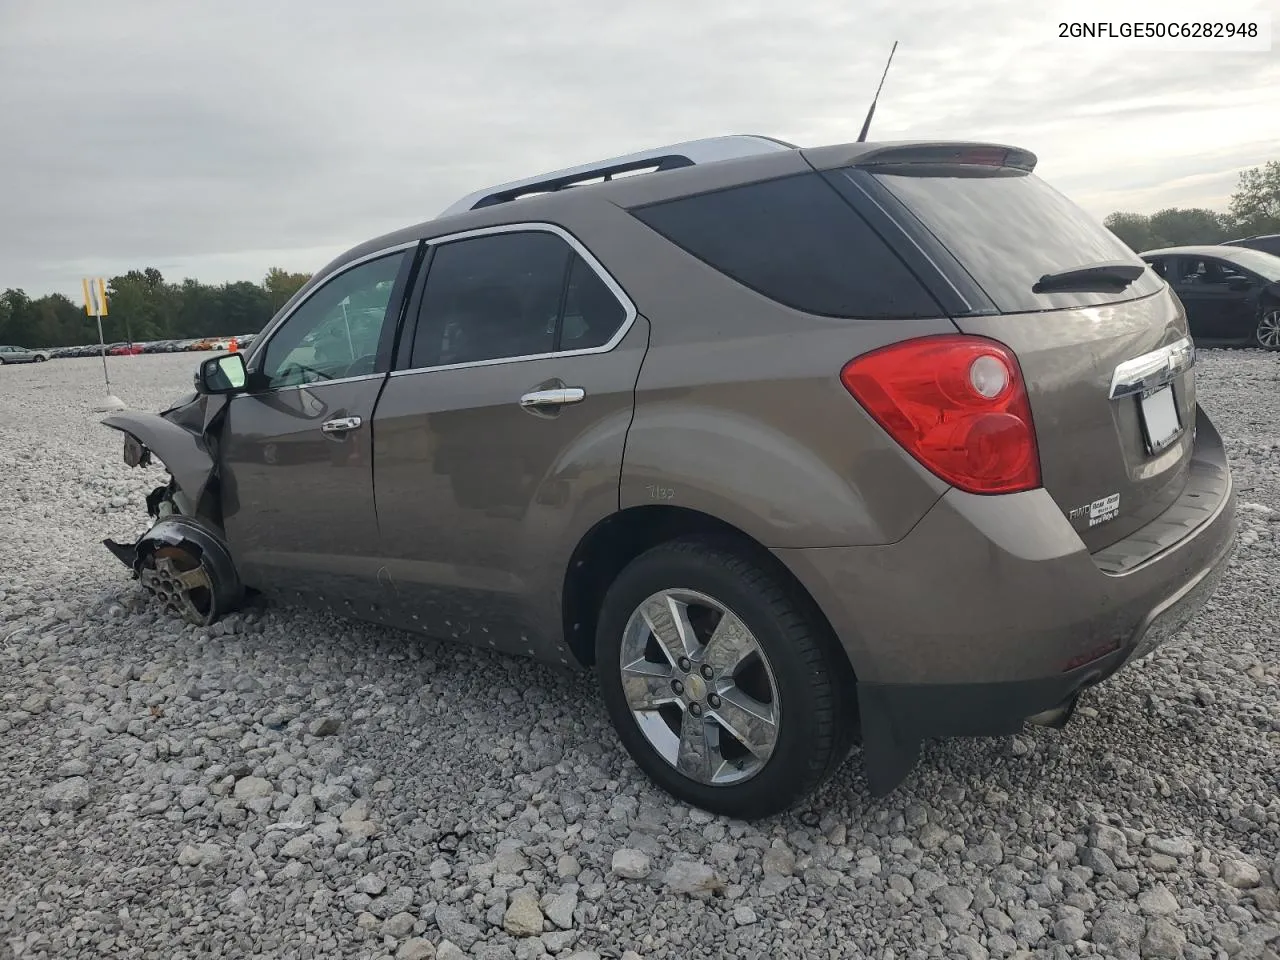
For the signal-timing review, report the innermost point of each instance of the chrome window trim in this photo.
(261, 341)
(316, 383)
(631, 313)
(1153, 369)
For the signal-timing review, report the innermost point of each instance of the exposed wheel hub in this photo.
(181, 583)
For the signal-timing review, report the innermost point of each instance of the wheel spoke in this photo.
(752, 723)
(668, 620)
(193, 579)
(695, 757)
(647, 686)
(730, 644)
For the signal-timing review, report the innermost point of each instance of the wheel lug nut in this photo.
(713, 701)
(707, 671)
(684, 664)
(695, 709)
(677, 686)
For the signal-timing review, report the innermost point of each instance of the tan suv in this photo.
(798, 448)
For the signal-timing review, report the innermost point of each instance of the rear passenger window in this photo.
(592, 314)
(796, 241)
(511, 295)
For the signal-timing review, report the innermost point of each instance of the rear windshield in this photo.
(1009, 229)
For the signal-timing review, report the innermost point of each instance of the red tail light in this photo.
(958, 404)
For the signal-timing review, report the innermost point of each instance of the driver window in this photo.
(1205, 272)
(334, 334)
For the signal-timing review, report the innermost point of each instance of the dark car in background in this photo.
(1231, 293)
(1267, 243)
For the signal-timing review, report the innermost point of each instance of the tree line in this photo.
(143, 306)
(1254, 209)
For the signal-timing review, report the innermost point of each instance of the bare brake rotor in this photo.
(179, 580)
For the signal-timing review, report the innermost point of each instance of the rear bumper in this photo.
(992, 610)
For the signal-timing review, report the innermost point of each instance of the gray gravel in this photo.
(289, 785)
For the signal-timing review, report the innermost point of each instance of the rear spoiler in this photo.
(921, 153)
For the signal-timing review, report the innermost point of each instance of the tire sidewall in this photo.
(799, 727)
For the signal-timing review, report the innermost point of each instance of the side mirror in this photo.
(224, 374)
(1239, 284)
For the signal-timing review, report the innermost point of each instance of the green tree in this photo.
(1171, 227)
(1178, 227)
(18, 320)
(1255, 206)
(1133, 228)
(281, 285)
(243, 308)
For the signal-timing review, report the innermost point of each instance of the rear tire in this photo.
(758, 714)
(1267, 333)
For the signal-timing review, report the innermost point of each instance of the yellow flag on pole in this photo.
(95, 296)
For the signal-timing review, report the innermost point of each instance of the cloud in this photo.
(216, 140)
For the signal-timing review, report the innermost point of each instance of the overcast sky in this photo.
(218, 139)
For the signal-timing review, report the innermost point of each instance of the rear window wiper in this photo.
(1110, 275)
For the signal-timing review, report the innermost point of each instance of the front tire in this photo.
(1267, 333)
(724, 684)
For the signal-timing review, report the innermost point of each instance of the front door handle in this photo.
(546, 399)
(340, 425)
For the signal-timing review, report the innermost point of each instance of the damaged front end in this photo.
(183, 559)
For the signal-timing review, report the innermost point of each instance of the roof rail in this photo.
(687, 154)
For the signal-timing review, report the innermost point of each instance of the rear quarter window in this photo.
(796, 241)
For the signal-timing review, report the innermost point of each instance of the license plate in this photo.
(1160, 421)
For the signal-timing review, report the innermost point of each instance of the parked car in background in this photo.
(12, 354)
(794, 447)
(125, 349)
(1231, 293)
(1267, 243)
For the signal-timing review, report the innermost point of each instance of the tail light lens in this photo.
(956, 403)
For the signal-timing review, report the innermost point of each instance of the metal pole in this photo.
(102, 343)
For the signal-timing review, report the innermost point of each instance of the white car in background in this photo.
(22, 355)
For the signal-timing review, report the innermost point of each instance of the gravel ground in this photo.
(289, 785)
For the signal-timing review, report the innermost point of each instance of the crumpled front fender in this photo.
(184, 454)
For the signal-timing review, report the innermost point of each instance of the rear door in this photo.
(1213, 307)
(1107, 370)
(499, 441)
(296, 449)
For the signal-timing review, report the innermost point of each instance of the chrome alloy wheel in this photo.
(1268, 332)
(700, 687)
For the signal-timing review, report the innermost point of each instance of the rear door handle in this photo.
(545, 399)
(340, 425)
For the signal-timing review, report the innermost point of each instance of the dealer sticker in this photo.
(1108, 508)
(1100, 511)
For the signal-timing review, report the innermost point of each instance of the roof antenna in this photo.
(866, 124)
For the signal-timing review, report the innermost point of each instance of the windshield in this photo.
(1008, 229)
(1263, 264)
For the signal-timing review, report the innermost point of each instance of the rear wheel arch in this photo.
(609, 546)
(791, 703)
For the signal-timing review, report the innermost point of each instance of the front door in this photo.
(499, 443)
(296, 449)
